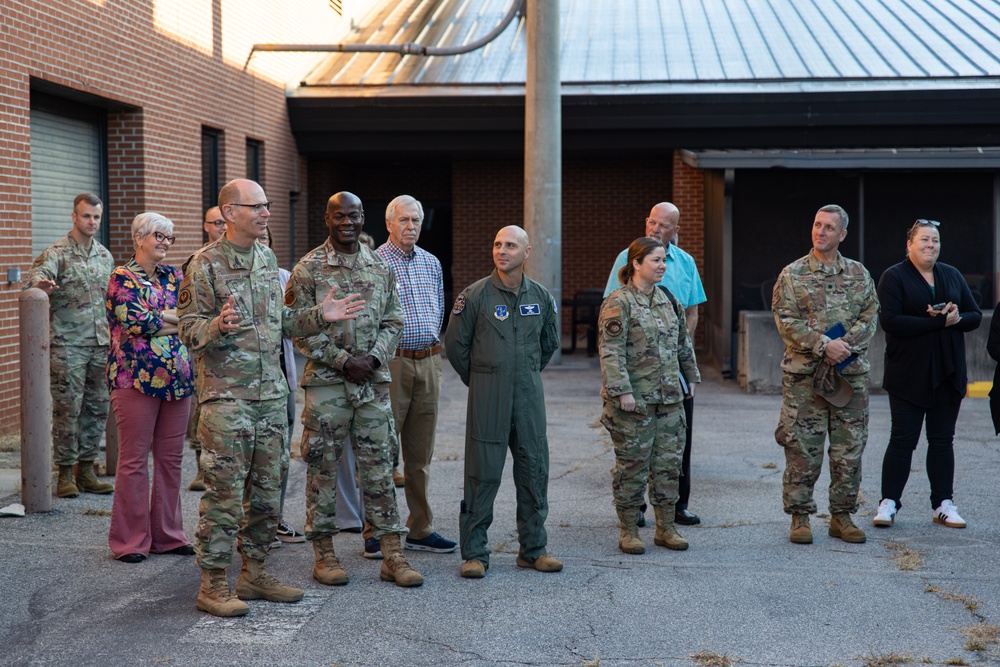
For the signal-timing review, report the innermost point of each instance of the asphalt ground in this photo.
(742, 593)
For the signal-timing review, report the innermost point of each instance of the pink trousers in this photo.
(140, 524)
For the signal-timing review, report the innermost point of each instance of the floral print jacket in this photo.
(158, 366)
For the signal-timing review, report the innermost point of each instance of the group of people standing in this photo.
(826, 308)
(369, 324)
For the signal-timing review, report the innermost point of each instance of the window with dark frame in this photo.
(210, 139)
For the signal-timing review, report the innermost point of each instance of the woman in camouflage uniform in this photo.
(644, 350)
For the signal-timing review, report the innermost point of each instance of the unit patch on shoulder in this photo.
(613, 327)
(459, 305)
(289, 298)
(184, 298)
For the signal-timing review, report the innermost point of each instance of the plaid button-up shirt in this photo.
(421, 289)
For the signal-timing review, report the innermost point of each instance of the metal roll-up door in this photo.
(67, 158)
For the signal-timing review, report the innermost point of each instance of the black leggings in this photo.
(907, 420)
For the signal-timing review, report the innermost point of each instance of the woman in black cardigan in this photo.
(926, 308)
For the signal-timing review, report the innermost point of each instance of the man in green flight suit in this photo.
(502, 334)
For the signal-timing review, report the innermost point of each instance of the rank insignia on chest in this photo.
(530, 309)
(500, 312)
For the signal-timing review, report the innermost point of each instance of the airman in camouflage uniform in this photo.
(644, 349)
(232, 319)
(215, 228)
(813, 295)
(74, 272)
(346, 383)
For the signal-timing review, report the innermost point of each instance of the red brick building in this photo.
(147, 103)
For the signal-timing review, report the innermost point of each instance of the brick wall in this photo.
(689, 197)
(163, 70)
(605, 203)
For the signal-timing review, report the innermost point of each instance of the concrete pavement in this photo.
(742, 591)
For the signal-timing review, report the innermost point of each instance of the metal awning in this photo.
(975, 157)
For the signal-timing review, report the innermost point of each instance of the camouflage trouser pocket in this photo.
(785, 433)
(617, 420)
(311, 447)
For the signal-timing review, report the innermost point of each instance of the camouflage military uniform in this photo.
(809, 298)
(242, 391)
(644, 347)
(335, 407)
(79, 345)
(498, 341)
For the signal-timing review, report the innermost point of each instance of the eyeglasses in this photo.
(160, 238)
(257, 208)
(922, 222)
(218, 223)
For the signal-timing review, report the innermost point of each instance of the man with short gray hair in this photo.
(416, 366)
(824, 307)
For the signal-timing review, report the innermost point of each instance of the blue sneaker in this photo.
(432, 542)
(373, 549)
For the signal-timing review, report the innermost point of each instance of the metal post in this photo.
(36, 402)
(543, 149)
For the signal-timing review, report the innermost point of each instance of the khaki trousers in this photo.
(414, 392)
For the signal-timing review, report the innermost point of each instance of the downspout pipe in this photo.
(406, 48)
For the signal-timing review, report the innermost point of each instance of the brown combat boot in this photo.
(394, 566)
(65, 484)
(544, 563)
(841, 526)
(255, 583)
(801, 533)
(666, 533)
(87, 481)
(628, 537)
(215, 598)
(198, 483)
(327, 569)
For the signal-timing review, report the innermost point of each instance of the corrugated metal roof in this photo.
(637, 44)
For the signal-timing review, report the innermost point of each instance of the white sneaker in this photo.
(948, 514)
(886, 514)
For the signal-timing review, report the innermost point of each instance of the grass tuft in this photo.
(711, 659)
(96, 512)
(954, 595)
(905, 557)
(981, 636)
(885, 659)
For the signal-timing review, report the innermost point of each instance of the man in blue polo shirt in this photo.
(683, 281)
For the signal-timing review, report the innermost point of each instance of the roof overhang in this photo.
(976, 157)
(632, 118)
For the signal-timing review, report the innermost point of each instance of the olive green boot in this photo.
(666, 534)
(394, 565)
(215, 598)
(801, 533)
(87, 481)
(65, 484)
(628, 537)
(841, 526)
(198, 483)
(327, 569)
(255, 583)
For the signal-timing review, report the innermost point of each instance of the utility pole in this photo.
(543, 149)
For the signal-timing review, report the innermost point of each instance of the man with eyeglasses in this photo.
(215, 224)
(232, 320)
(680, 279)
(824, 307)
(346, 381)
(215, 229)
(74, 272)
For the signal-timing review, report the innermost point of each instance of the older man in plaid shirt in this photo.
(416, 369)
